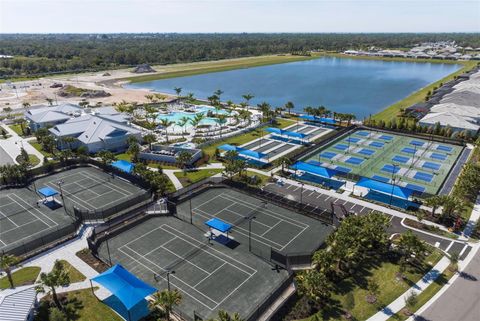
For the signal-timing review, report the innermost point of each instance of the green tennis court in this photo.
(210, 276)
(419, 164)
(24, 218)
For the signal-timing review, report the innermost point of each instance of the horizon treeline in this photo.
(37, 54)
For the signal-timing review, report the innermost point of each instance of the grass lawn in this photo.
(246, 137)
(390, 288)
(419, 96)
(263, 178)
(75, 275)
(38, 147)
(88, 307)
(197, 68)
(195, 176)
(34, 161)
(123, 156)
(24, 276)
(427, 294)
(18, 129)
(162, 166)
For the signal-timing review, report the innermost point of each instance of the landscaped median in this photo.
(23, 276)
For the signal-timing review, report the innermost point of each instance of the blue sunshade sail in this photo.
(47, 191)
(218, 225)
(129, 289)
(315, 170)
(123, 165)
(385, 188)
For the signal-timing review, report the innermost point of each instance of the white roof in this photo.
(461, 110)
(450, 119)
(90, 129)
(53, 113)
(16, 304)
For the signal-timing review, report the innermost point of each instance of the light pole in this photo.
(393, 183)
(301, 193)
(191, 211)
(60, 183)
(250, 233)
(168, 279)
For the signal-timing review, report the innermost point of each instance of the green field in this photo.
(23, 276)
(197, 68)
(372, 164)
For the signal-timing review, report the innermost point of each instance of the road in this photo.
(323, 202)
(460, 302)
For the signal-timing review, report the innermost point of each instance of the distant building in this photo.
(50, 116)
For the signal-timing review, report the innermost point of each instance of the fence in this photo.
(51, 237)
(105, 214)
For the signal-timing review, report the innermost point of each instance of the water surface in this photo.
(344, 85)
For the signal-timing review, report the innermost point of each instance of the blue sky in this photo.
(107, 16)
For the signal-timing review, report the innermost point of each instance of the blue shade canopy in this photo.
(218, 225)
(129, 289)
(385, 188)
(318, 119)
(227, 147)
(123, 165)
(47, 191)
(315, 170)
(285, 132)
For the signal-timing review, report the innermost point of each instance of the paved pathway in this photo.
(419, 287)
(13, 144)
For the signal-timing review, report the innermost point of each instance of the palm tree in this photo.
(230, 104)
(225, 316)
(183, 158)
(69, 140)
(434, 202)
(454, 257)
(289, 106)
(150, 139)
(247, 98)
(221, 120)
(49, 101)
(166, 300)
(197, 119)
(308, 110)
(106, 156)
(283, 161)
(178, 91)
(182, 122)
(134, 150)
(218, 93)
(57, 277)
(166, 123)
(26, 104)
(7, 262)
(190, 97)
(265, 109)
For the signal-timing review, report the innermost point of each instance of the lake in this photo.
(344, 85)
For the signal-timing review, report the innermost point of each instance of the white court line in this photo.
(186, 260)
(35, 209)
(463, 250)
(7, 204)
(173, 275)
(328, 197)
(4, 244)
(240, 229)
(72, 195)
(253, 221)
(209, 275)
(8, 218)
(151, 251)
(267, 211)
(270, 228)
(233, 291)
(21, 225)
(115, 187)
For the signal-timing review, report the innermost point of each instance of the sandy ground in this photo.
(37, 91)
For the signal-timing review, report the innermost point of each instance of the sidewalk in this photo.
(418, 288)
(13, 144)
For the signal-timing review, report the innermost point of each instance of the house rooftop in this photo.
(16, 304)
(450, 119)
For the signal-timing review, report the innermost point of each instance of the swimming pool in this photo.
(178, 115)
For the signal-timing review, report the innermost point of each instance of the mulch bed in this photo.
(87, 257)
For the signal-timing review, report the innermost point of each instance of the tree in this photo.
(434, 202)
(283, 161)
(454, 257)
(221, 120)
(178, 91)
(183, 158)
(314, 285)
(106, 156)
(55, 314)
(57, 277)
(150, 139)
(48, 143)
(69, 140)
(225, 316)
(49, 101)
(7, 262)
(182, 122)
(289, 106)
(247, 98)
(166, 300)
(133, 150)
(411, 248)
(165, 123)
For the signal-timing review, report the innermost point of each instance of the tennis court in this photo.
(90, 188)
(412, 162)
(209, 275)
(22, 219)
(271, 226)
